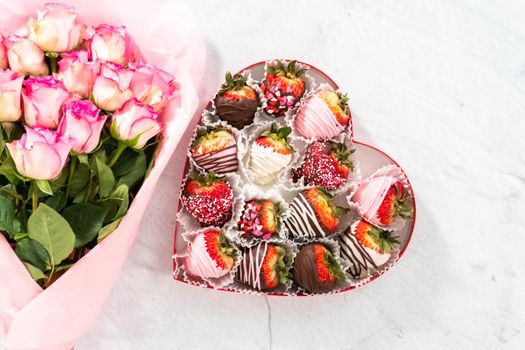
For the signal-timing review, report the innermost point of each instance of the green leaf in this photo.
(57, 202)
(8, 220)
(106, 230)
(105, 178)
(121, 193)
(80, 180)
(35, 272)
(51, 230)
(43, 185)
(30, 251)
(10, 173)
(130, 168)
(86, 220)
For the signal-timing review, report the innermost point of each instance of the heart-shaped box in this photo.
(372, 163)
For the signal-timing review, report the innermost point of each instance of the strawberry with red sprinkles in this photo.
(209, 199)
(326, 164)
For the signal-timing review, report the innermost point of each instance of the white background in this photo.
(438, 85)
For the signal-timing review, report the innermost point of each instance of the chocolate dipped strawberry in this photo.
(326, 163)
(263, 267)
(323, 115)
(215, 150)
(366, 247)
(315, 269)
(209, 199)
(236, 101)
(269, 154)
(211, 255)
(260, 218)
(283, 87)
(395, 204)
(313, 214)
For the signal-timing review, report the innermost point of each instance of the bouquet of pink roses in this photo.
(86, 128)
(80, 117)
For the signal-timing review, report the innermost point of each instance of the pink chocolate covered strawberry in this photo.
(325, 164)
(211, 255)
(209, 199)
(282, 87)
(324, 115)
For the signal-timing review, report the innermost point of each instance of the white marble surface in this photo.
(440, 86)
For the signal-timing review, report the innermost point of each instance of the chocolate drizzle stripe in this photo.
(250, 271)
(355, 253)
(302, 221)
(222, 161)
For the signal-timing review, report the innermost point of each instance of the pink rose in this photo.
(151, 85)
(77, 73)
(135, 124)
(10, 95)
(4, 64)
(43, 97)
(24, 56)
(40, 154)
(111, 88)
(82, 121)
(110, 44)
(56, 28)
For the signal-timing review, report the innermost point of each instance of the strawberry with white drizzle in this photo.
(269, 154)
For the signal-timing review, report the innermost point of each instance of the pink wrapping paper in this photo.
(52, 319)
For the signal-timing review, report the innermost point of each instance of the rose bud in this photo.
(151, 85)
(4, 64)
(24, 56)
(111, 88)
(82, 121)
(134, 124)
(40, 154)
(77, 73)
(110, 44)
(43, 97)
(10, 95)
(56, 28)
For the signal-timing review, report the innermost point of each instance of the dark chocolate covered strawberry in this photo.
(315, 269)
(209, 199)
(236, 101)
